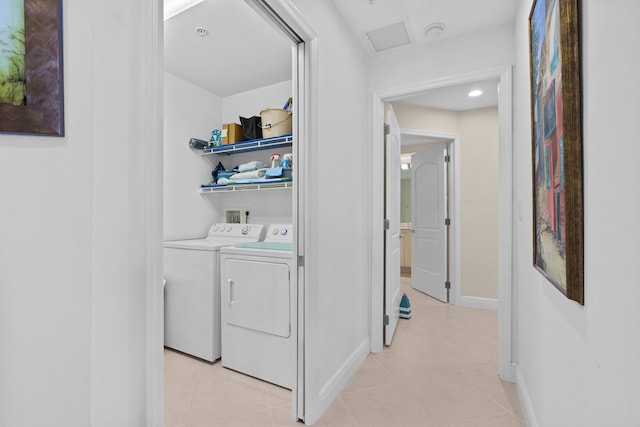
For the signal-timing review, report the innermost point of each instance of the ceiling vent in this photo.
(390, 37)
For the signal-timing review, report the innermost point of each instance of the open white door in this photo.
(392, 224)
(429, 246)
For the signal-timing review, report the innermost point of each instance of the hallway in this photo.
(440, 371)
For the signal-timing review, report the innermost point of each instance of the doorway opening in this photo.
(430, 221)
(302, 45)
(504, 210)
(414, 142)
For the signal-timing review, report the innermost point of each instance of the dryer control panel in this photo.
(279, 233)
(243, 231)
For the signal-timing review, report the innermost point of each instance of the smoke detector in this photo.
(434, 30)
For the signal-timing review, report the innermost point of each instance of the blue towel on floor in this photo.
(405, 307)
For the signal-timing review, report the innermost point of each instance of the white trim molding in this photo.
(336, 383)
(525, 400)
(505, 218)
(478, 302)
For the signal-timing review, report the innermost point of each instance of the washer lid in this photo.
(221, 234)
(210, 244)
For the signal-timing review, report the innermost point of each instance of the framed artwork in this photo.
(31, 79)
(556, 119)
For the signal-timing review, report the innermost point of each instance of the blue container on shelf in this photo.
(216, 137)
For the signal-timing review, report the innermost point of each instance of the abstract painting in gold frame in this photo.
(556, 118)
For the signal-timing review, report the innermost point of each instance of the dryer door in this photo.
(255, 295)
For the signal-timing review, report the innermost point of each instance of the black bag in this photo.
(251, 127)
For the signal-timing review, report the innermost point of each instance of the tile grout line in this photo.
(496, 402)
(193, 393)
(352, 419)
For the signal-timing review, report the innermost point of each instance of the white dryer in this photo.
(258, 307)
(192, 289)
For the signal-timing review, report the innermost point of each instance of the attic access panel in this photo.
(389, 37)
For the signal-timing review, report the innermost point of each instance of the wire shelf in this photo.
(252, 145)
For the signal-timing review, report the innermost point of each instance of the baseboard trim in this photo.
(525, 400)
(332, 388)
(478, 302)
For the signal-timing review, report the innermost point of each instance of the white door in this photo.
(429, 264)
(392, 233)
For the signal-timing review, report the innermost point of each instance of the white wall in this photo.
(450, 57)
(250, 103)
(479, 202)
(72, 236)
(427, 119)
(45, 255)
(580, 365)
(189, 112)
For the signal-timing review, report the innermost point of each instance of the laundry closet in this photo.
(229, 197)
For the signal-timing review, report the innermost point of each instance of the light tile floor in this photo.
(440, 371)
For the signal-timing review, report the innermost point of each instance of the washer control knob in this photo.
(221, 228)
(229, 228)
(245, 230)
(284, 232)
(214, 227)
(275, 231)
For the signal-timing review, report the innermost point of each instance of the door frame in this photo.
(453, 246)
(505, 114)
(305, 78)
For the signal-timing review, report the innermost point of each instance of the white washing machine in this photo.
(258, 307)
(192, 289)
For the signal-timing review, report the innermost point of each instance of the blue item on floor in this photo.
(405, 307)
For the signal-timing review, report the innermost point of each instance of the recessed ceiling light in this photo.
(475, 93)
(174, 7)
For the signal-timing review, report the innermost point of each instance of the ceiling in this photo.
(456, 98)
(458, 17)
(241, 52)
